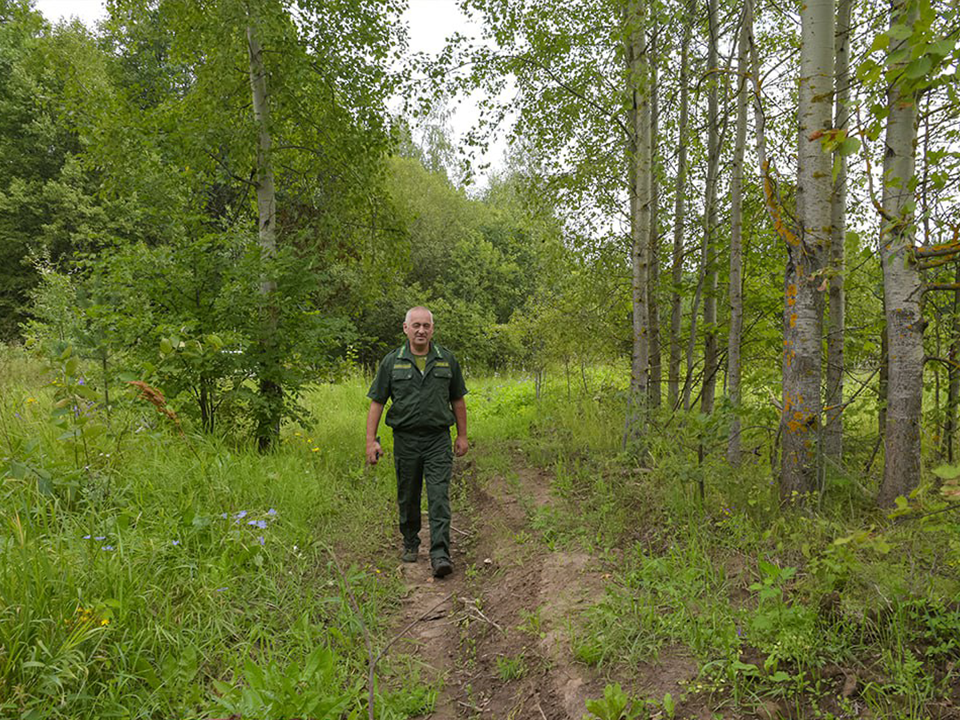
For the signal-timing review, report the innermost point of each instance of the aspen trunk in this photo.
(653, 279)
(673, 372)
(833, 431)
(692, 339)
(882, 379)
(953, 374)
(901, 288)
(637, 59)
(268, 426)
(709, 385)
(736, 238)
(803, 305)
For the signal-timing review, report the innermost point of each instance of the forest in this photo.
(707, 305)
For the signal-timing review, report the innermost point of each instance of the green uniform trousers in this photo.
(420, 456)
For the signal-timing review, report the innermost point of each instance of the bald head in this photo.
(417, 309)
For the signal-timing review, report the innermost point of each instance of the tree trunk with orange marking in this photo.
(803, 308)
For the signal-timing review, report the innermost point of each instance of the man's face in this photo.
(419, 330)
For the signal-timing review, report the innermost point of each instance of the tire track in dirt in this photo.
(498, 630)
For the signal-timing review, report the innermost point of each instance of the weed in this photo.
(271, 691)
(511, 668)
(531, 622)
(616, 705)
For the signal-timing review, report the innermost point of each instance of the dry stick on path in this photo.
(372, 659)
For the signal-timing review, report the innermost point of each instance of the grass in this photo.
(149, 575)
(146, 574)
(771, 601)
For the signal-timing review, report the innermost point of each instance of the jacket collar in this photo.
(434, 353)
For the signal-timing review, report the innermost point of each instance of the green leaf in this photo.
(849, 146)
(768, 569)
(780, 676)
(86, 392)
(45, 486)
(918, 68)
(880, 42)
(166, 347)
(946, 472)
(869, 71)
(941, 48)
(898, 56)
(900, 31)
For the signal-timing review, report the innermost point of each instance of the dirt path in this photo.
(497, 630)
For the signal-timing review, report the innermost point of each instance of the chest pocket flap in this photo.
(402, 372)
(443, 372)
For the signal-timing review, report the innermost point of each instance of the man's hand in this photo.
(374, 451)
(460, 446)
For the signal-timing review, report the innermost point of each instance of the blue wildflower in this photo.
(271, 512)
(241, 515)
(87, 537)
(223, 515)
(100, 537)
(261, 540)
(221, 589)
(109, 548)
(175, 542)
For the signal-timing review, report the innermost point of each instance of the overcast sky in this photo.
(430, 23)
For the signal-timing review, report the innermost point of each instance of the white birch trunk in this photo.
(709, 383)
(679, 213)
(836, 329)
(653, 278)
(639, 212)
(901, 289)
(736, 238)
(803, 306)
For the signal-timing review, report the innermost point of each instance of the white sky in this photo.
(430, 23)
(87, 10)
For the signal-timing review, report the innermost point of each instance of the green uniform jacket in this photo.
(421, 401)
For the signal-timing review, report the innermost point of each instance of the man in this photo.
(426, 385)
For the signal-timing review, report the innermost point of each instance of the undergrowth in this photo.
(823, 608)
(152, 573)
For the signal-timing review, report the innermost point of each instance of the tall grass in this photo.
(140, 571)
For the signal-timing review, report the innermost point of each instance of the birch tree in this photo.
(653, 282)
(640, 171)
(736, 236)
(710, 344)
(833, 429)
(901, 276)
(270, 389)
(804, 307)
(679, 209)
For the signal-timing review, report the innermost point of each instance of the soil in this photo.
(498, 631)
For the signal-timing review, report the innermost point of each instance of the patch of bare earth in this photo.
(498, 631)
